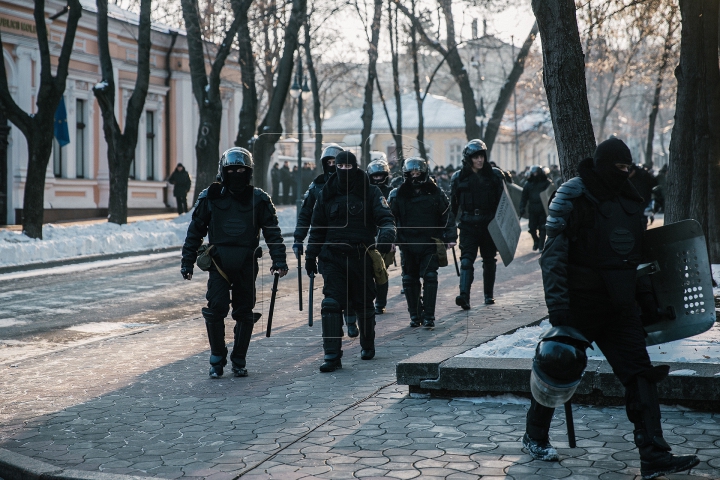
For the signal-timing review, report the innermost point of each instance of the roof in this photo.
(118, 13)
(438, 113)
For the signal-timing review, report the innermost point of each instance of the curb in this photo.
(14, 466)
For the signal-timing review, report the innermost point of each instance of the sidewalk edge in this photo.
(14, 466)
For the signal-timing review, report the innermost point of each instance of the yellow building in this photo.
(77, 179)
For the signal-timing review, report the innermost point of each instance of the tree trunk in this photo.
(317, 116)
(508, 88)
(367, 113)
(206, 90)
(564, 80)
(39, 128)
(248, 110)
(393, 34)
(419, 99)
(667, 47)
(269, 130)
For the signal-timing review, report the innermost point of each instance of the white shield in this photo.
(505, 228)
(515, 192)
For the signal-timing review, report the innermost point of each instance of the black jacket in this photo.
(181, 182)
(233, 225)
(306, 209)
(470, 191)
(422, 215)
(350, 219)
(531, 193)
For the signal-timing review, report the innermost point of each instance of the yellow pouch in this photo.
(441, 252)
(379, 270)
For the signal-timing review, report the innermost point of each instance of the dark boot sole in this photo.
(330, 368)
(462, 303)
(691, 463)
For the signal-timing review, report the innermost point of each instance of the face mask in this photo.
(611, 176)
(236, 182)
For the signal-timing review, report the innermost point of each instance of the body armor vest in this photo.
(420, 217)
(233, 223)
(478, 194)
(350, 220)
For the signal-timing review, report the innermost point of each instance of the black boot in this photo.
(332, 333)
(366, 323)
(467, 276)
(411, 287)
(537, 427)
(489, 268)
(643, 409)
(430, 288)
(381, 298)
(243, 332)
(541, 242)
(351, 320)
(536, 240)
(216, 336)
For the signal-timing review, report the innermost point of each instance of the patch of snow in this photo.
(684, 373)
(101, 85)
(104, 327)
(62, 242)
(506, 399)
(9, 322)
(703, 348)
(716, 277)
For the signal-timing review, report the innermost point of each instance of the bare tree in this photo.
(121, 142)
(564, 80)
(367, 113)
(249, 109)
(315, 89)
(38, 127)
(393, 34)
(206, 89)
(692, 180)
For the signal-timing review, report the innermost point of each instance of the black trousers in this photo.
(419, 259)
(474, 237)
(181, 201)
(536, 221)
(350, 282)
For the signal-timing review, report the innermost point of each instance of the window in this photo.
(57, 159)
(150, 144)
(455, 154)
(80, 139)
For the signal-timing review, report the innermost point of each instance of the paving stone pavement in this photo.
(142, 404)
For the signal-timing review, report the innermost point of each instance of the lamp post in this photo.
(301, 93)
(517, 143)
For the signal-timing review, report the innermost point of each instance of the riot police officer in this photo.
(475, 194)
(232, 212)
(349, 214)
(595, 239)
(423, 218)
(536, 184)
(379, 173)
(305, 216)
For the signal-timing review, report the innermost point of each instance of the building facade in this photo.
(77, 178)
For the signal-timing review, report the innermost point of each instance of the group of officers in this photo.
(354, 219)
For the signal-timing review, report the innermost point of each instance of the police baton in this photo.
(272, 304)
(297, 254)
(310, 298)
(570, 424)
(457, 269)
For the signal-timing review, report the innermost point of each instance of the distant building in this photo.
(77, 176)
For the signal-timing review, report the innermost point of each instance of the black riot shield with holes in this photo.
(677, 260)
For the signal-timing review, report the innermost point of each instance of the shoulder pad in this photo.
(573, 188)
(455, 175)
(203, 194)
(214, 190)
(259, 192)
(498, 173)
(392, 195)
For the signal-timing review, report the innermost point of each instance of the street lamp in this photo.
(300, 93)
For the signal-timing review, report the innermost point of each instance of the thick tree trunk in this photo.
(248, 110)
(317, 116)
(508, 88)
(367, 113)
(419, 98)
(564, 80)
(207, 146)
(393, 33)
(270, 129)
(39, 128)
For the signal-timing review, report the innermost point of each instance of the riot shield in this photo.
(682, 281)
(545, 196)
(515, 192)
(505, 228)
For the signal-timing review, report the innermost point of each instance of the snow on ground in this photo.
(703, 348)
(716, 277)
(63, 242)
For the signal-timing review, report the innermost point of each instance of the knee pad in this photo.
(214, 316)
(430, 277)
(489, 263)
(330, 305)
(466, 264)
(409, 280)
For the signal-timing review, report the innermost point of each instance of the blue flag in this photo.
(62, 135)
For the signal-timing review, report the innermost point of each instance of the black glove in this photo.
(383, 248)
(311, 265)
(186, 271)
(298, 249)
(279, 266)
(521, 213)
(560, 317)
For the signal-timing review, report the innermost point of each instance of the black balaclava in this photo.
(236, 182)
(346, 177)
(607, 154)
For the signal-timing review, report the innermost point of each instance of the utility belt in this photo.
(476, 212)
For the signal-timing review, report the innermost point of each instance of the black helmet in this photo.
(559, 362)
(535, 169)
(234, 156)
(378, 167)
(331, 151)
(473, 147)
(414, 164)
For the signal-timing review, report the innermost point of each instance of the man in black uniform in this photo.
(379, 173)
(232, 212)
(422, 214)
(305, 216)
(475, 191)
(530, 199)
(595, 240)
(348, 213)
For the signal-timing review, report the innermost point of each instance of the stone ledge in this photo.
(14, 466)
